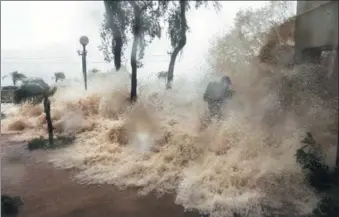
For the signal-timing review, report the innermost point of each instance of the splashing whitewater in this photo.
(243, 164)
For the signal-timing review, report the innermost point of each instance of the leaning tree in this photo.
(39, 91)
(178, 27)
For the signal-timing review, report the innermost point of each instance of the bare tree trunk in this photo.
(181, 44)
(171, 66)
(134, 70)
(136, 33)
(117, 51)
(47, 108)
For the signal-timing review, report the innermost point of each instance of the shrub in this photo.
(10, 205)
(37, 143)
(320, 177)
(41, 143)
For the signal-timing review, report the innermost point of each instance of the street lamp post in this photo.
(84, 41)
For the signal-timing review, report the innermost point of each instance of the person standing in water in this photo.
(216, 94)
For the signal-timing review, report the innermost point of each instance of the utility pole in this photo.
(335, 73)
(84, 41)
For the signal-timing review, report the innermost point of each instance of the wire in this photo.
(41, 58)
(78, 62)
(44, 58)
(10, 58)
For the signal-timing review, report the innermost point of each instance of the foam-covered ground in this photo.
(240, 164)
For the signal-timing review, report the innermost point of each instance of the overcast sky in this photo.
(39, 38)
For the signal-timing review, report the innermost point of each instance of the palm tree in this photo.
(38, 90)
(16, 76)
(59, 76)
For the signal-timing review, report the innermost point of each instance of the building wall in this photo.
(316, 31)
(7, 96)
(317, 28)
(303, 6)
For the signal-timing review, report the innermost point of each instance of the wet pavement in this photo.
(50, 192)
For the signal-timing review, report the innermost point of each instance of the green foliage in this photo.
(33, 89)
(59, 76)
(319, 174)
(38, 143)
(320, 177)
(119, 22)
(247, 36)
(177, 29)
(176, 22)
(16, 76)
(328, 206)
(115, 27)
(41, 143)
(36, 90)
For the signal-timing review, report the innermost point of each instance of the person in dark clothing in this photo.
(216, 94)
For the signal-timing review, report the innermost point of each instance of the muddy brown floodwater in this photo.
(50, 192)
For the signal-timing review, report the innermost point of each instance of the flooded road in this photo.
(47, 191)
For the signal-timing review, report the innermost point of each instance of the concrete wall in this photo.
(303, 6)
(317, 27)
(7, 96)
